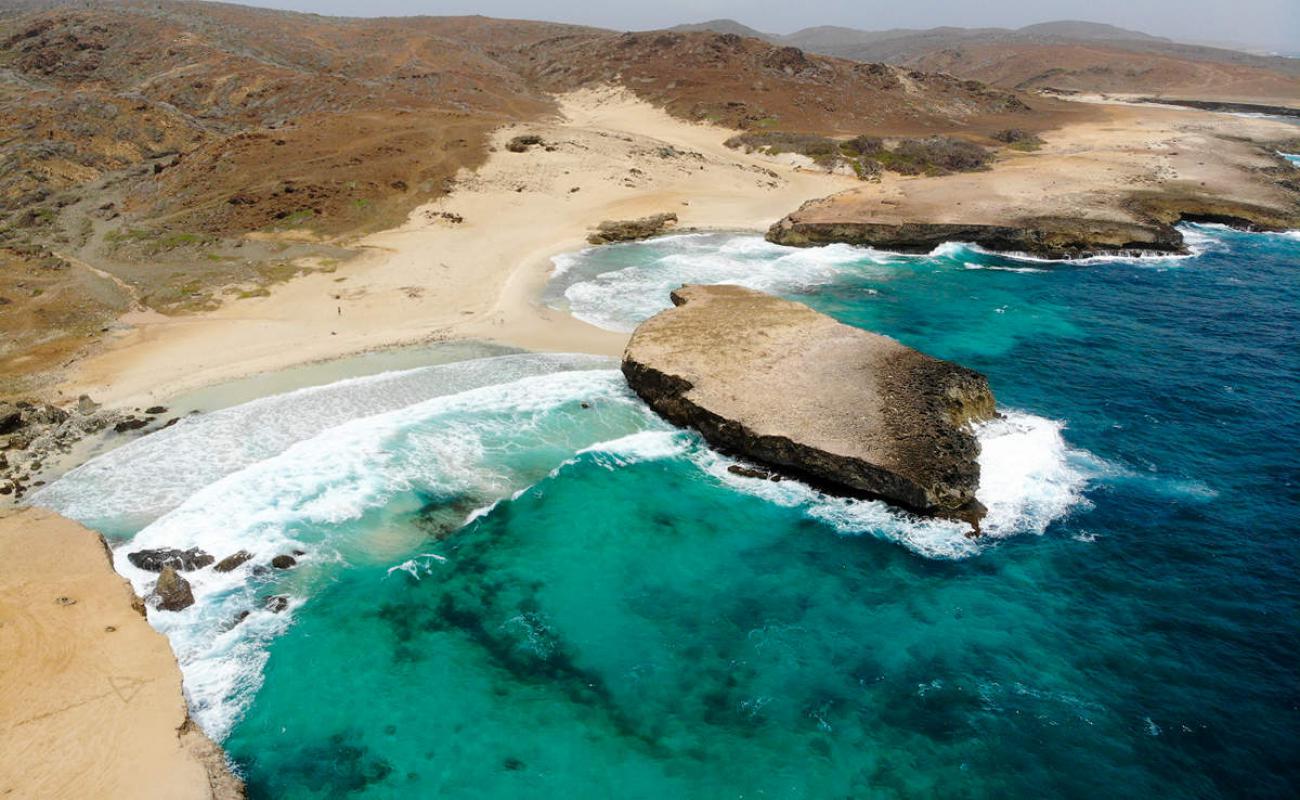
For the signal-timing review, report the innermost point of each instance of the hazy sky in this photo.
(1266, 23)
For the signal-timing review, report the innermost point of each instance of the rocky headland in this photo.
(1118, 186)
(1045, 237)
(854, 412)
(629, 230)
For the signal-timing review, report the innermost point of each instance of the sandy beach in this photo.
(90, 695)
(611, 156)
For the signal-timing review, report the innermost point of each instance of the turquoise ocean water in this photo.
(520, 583)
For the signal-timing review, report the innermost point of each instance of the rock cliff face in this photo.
(1046, 237)
(778, 383)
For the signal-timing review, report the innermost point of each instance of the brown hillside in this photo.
(1107, 68)
(168, 154)
(750, 83)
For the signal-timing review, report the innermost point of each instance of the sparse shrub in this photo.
(936, 155)
(1018, 139)
(863, 145)
(520, 144)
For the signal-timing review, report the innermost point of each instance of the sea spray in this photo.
(126, 488)
(334, 498)
(618, 286)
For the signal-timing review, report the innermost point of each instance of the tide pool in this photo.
(518, 582)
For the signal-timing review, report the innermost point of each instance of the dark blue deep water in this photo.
(629, 621)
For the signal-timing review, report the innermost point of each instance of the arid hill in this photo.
(749, 83)
(1064, 55)
(162, 154)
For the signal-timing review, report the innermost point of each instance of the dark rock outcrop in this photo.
(172, 592)
(33, 434)
(753, 472)
(232, 561)
(780, 384)
(276, 603)
(159, 559)
(283, 561)
(628, 230)
(522, 143)
(11, 418)
(1046, 237)
(1230, 107)
(130, 424)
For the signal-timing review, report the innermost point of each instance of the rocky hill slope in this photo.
(1062, 55)
(166, 155)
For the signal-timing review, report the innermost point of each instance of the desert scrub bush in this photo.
(936, 155)
(777, 142)
(520, 144)
(825, 152)
(1018, 139)
(863, 145)
(290, 219)
(868, 156)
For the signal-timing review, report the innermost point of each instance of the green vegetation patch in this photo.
(868, 156)
(1018, 139)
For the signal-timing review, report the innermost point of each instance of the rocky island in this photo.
(779, 383)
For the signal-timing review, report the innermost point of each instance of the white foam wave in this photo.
(997, 268)
(1029, 478)
(129, 486)
(459, 445)
(637, 447)
(620, 299)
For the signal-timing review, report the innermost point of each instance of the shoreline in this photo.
(472, 265)
(469, 265)
(436, 280)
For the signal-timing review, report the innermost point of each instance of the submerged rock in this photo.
(276, 603)
(159, 559)
(172, 592)
(780, 384)
(232, 561)
(753, 472)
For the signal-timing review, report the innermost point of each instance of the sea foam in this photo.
(134, 484)
(1029, 477)
(474, 445)
(598, 286)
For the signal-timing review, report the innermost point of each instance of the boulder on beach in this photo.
(158, 559)
(627, 230)
(172, 592)
(854, 412)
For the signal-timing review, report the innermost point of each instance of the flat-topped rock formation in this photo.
(781, 384)
(1118, 185)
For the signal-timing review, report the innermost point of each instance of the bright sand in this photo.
(90, 696)
(435, 279)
